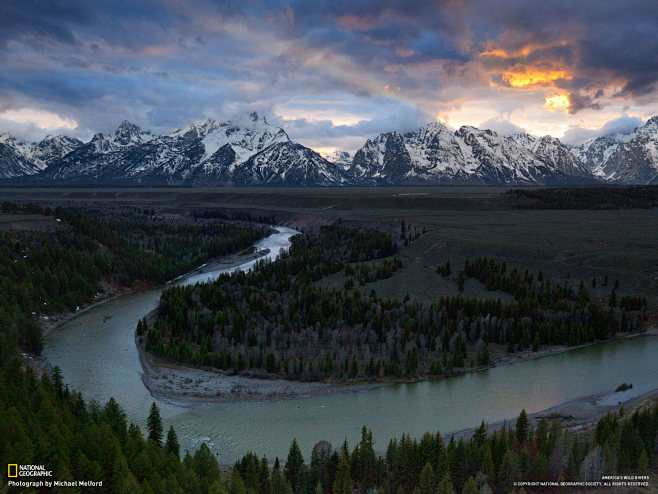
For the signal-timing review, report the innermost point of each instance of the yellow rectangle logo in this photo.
(12, 467)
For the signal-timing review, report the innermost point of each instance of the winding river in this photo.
(97, 354)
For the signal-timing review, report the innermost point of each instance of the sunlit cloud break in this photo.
(41, 118)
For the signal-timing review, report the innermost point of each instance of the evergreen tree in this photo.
(480, 434)
(367, 461)
(58, 381)
(294, 464)
(445, 486)
(426, 482)
(509, 471)
(237, 484)
(522, 427)
(343, 483)
(470, 487)
(171, 446)
(154, 425)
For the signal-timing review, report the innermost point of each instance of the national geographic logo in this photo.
(15, 470)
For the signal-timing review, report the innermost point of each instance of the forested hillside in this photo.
(279, 320)
(74, 257)
(54, 261)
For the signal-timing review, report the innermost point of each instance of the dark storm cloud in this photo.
(40, 21)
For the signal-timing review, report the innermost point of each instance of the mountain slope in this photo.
(553, 153)
(13, 164)
(624, 159)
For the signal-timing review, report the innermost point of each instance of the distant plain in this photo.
(461, 223)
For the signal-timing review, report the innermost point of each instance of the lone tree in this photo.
(154, 425)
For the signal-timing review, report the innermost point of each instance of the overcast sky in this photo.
(332, 73)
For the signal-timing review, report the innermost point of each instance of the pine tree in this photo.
(445, 486)
(522, 427)
(367, 461)
(58, 381)
(480, 434)
(509, 471)
(171, 446)
(470, 487)
(643, 463)
(294, 463)
(343, 483)
(460, 464)
(237, 484)
(154, 425)
(488, 466)
(426, 481)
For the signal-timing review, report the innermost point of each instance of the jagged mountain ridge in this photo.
(469, 156)
(247, 150)
(20, 158)
(242, 151)
(624, 159)
(553, 152)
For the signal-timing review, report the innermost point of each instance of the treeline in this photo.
(234, 215)
(158, 249)
(610, 197)
(276, 320)
(367, 273)
(42, 422)
(48, 272)
(487, 462)
(538, 294)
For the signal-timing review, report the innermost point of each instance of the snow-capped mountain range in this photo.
(247, 150)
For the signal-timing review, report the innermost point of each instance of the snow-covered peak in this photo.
(524, 139)
(51, 148)
(342, 159)
(196, 130)
(245, 134)
(128, 134)
(434, 147)
(19, 145)
(649, 128)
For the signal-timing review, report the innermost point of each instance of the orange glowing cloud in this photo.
(522, 52)
(495, 53)
(533, 77)
(557, 102)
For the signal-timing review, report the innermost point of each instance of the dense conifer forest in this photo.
(278, 320)
(79, 255)
(604, 197)
(43, 422)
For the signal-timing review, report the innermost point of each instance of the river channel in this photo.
(97, 354)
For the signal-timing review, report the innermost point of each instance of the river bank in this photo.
(189, 386)
(111, 292)
(582, 413)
